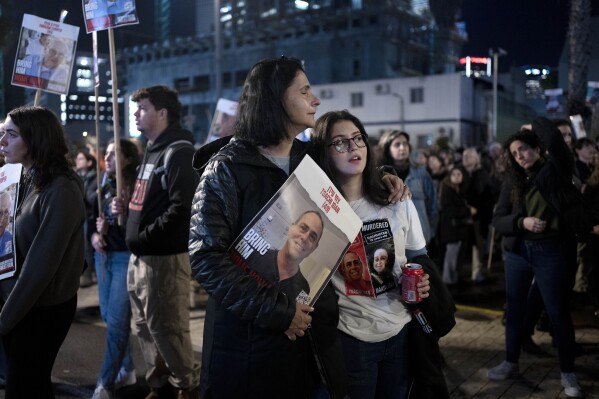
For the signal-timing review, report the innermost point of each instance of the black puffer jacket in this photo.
(245, 352)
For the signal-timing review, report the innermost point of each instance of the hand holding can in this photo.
(411, 274)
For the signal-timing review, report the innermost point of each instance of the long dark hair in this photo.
(385, 145)
(88, 157)
(372, 187)
(131, 153)
(515, 171)
(46, 146)
(261, 116)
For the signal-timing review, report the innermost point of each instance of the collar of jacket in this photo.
(243, 152)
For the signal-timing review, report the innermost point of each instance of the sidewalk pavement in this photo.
(475, 344)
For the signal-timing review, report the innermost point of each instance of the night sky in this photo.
(531, 31)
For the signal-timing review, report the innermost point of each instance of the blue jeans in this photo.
(544, 260)
(377, 369)
(116, 313)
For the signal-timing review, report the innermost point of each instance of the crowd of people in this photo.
(143, 240)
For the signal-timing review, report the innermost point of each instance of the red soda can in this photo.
(410, 277)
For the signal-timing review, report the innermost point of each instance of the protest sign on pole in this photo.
(45, 55)
(10, 175)
(105, 14)
(115, 118)
(97, 109)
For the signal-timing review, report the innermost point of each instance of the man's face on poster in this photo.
(352, 265)
(54, 54)
(303, 236)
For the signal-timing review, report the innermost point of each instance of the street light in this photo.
(495, 55)
(63, 15)
(401, 110)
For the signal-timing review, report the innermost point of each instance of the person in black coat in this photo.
(456, 222)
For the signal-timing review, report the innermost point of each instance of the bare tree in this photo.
(579, 43)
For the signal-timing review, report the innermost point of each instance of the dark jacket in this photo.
(115, 236)
(428, 381)
(49, 250)
(90, 186)
(554, 182)
(455, 212)
(479, 194)
(244, 340)
(158, 220)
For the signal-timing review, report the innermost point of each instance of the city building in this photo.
(77, 110)
(340, 41)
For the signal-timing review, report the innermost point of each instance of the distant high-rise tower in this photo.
(162, 19)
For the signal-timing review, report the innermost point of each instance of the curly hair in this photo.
(161, 97)
(517, 173)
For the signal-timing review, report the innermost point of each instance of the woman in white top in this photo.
(372, 327)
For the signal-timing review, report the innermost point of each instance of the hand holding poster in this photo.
(297, 240)
(9, 180)
(104, 14)
(45, 55)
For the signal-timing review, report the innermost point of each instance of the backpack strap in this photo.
(162, 170)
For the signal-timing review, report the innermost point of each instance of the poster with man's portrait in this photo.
(45, 55)
(592, 97)
(104, 14)
(299, 237)
(223, 120)
(9, 182)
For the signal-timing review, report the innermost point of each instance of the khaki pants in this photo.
(159, 290)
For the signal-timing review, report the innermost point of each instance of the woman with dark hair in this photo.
(374, 333)
(456, 222)
(254, 334)
(436, 169)
(39, 301)
(536, 209)
(396, 150)
(112, 260)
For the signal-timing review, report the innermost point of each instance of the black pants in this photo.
(31, 348)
